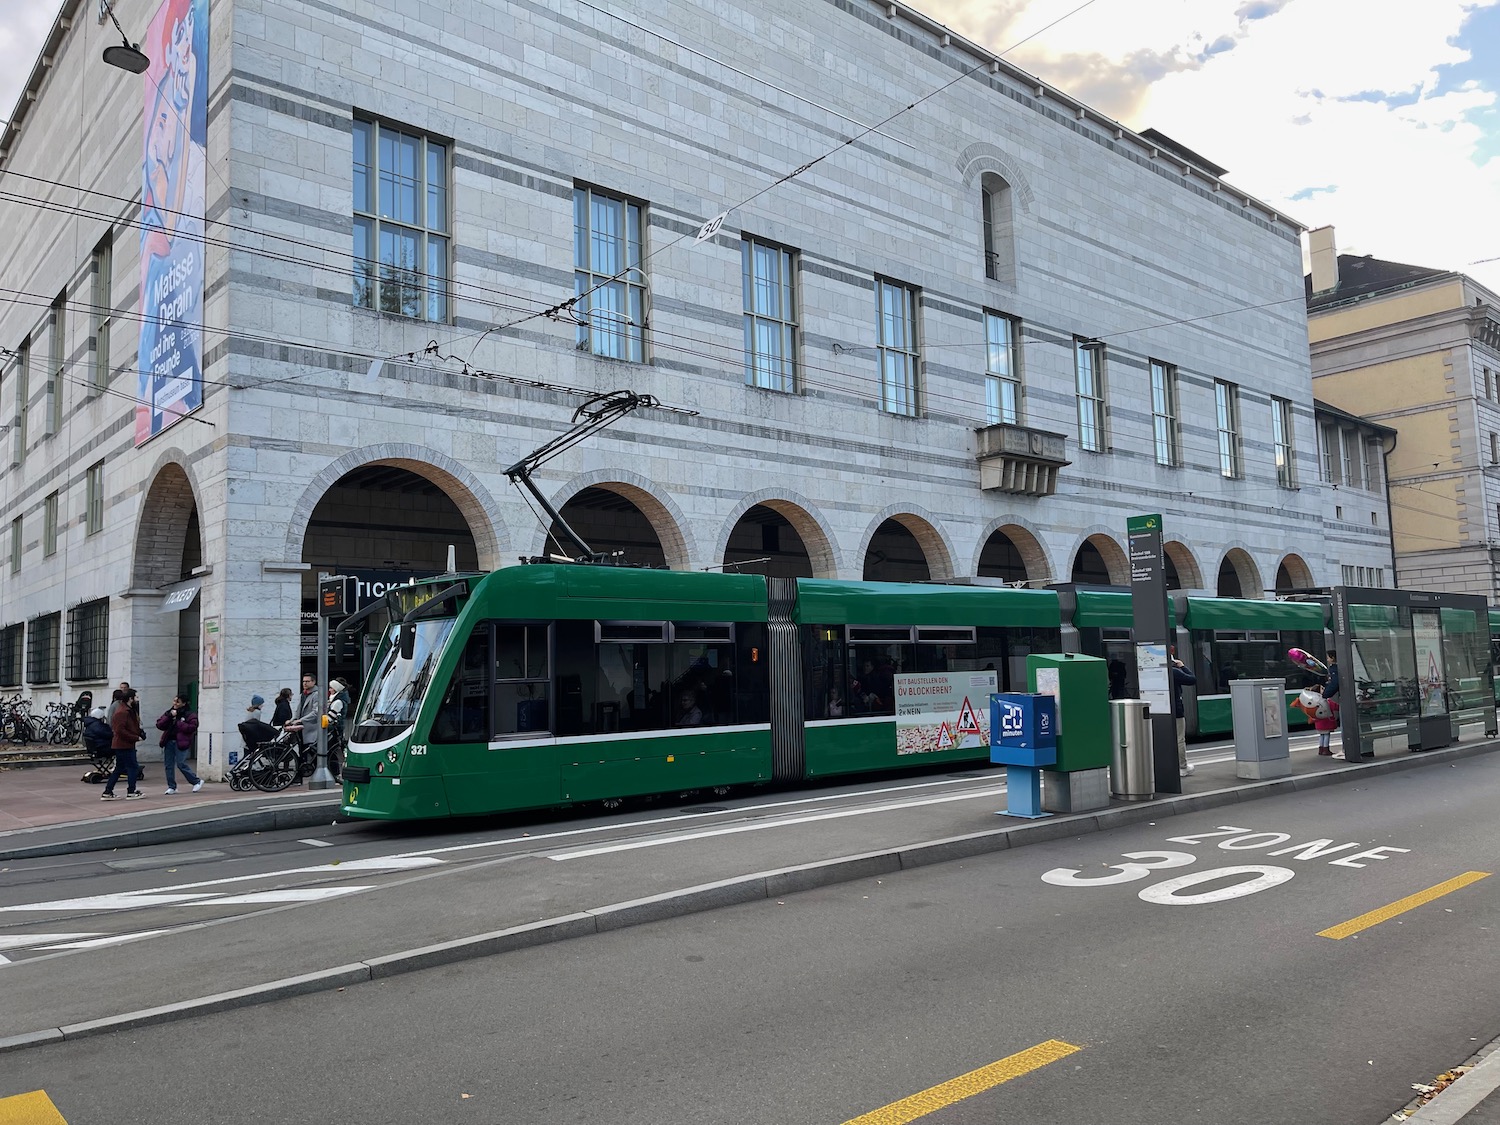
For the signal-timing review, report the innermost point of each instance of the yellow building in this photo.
(1417, 350)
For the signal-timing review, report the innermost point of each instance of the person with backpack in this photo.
(178, 725)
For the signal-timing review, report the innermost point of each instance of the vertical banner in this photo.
(209, 674)
(169, 359)
(1148, 600)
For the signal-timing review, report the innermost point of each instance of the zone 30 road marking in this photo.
(967, 1085)
(1402, 905)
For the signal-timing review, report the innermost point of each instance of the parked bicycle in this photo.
(284, 760)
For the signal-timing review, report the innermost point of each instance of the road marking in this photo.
(35, 1108)
(1401, 906)
(316, 843)
(289, 894)
(21, 941)
(125, 900)
(99, 943)
(967, 1085)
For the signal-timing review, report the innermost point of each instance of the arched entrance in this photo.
(612, 520)
(906, 548)
(1181, 567)
(1239, 576)
(381, 524)
(1100, 561)
(1293, 574)
(765, 541)
(165, 648)
(1012, 554)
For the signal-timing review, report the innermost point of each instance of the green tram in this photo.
(1220, 639)
(548, 685)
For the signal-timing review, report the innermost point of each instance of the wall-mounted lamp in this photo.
(125, 54)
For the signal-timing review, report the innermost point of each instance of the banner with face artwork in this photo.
(170, 357)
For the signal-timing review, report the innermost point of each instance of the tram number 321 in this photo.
(1177, 891)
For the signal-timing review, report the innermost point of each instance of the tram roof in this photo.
(546, 590)
(826, 602)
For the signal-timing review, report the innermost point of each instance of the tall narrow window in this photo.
(57, 364)
(770, 316)
(17, 527)
(88, 641)
(401, 223)
(1227, 402)
(607, 276)
(1002, 376)
(94, 516)
(23, 392)
(102, 315)
(42, 637)
(1088, 369)
(1374, 455)
(1352, 462)
(896, 331)
(999, 235)
(1494, 448)
(1331, 473)
(1281, 427)
(12, 649)
(49, 526)
(1164, 425)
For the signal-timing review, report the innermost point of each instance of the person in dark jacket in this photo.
(283, 710)
(1181, 678)
(178, 725)
(1331, 685)
(125, 724)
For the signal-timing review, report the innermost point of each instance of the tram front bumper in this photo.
(395, 798)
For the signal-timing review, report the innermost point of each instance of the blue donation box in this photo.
(1023, 738)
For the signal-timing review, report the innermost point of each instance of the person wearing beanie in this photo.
(256, 702)
(338, 702)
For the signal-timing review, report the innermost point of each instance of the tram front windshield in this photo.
(397, 685)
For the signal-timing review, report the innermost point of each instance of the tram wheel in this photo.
(613, 803)
(721, 790)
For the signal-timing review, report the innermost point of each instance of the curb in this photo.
(1450, 1104)
(770, 884)
(232, 824)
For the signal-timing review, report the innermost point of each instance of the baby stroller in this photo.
(259, 737)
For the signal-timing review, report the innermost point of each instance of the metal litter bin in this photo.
(1132, 768)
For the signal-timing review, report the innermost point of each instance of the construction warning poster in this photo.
(169, 361)
(943, 710)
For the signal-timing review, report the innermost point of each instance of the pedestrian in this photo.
(282, 713)
(253, 711)
(178, 725)
(1324, 713)
(338, 703)
(309, 711)
(126, 728)
(116, 697)
(1181, 678)
(1331, 685)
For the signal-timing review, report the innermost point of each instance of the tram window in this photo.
(632, 688)
(464, 715)
(576, 662)
(945, 634)
(623, 631)
(825, 694)
(521, 707)
(702, 682)
(702, 631)
(872, 675)
(870, 634)
(520, 652)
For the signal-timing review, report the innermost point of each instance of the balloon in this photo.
(1306, 660)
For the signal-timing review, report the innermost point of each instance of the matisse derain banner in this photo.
(170, 357)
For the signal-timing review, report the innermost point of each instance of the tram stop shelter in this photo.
(1414, 669)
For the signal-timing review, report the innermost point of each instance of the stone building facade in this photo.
(967, 340)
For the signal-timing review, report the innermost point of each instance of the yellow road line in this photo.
(1401, 906)
(967, 1085)
(35, 1108)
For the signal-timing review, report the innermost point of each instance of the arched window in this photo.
(996, 200)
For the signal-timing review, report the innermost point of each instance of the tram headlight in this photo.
(390, 756)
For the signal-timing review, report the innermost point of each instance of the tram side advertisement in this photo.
(938, 711)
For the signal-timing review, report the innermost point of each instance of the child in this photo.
(1324, 714)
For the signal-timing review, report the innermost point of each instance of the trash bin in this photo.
(1132, 768)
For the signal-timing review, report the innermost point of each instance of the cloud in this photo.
(23, 29)
(1309, 192)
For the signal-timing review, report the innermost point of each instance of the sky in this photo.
(1378, 117)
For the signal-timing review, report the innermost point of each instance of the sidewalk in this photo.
(46, 809)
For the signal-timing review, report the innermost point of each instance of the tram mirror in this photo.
(408, 640)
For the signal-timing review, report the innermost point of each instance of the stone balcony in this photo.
(1020, 460)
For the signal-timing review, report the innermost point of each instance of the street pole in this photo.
(321, 778)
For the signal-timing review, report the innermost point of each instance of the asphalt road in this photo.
(1183, 1003)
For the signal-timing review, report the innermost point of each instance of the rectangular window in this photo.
(1331, 455)
(23, 393)
(770, 316)
(607, 277)
(49, 526)
(1349, 576)
(1281, 426)
(41, 648)
(896, 339)
(1227, 405)
(1374, 455)
(1164, 413)
(1002, 370)
(1088, 369)
(94, 516)
(12, 642)
(16, 545)
(1352, 462)
(1494, 447)
(401, 222)
(57, 365)
(88, 641)
(102, 315)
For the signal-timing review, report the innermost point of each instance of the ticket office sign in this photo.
(938, 711)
